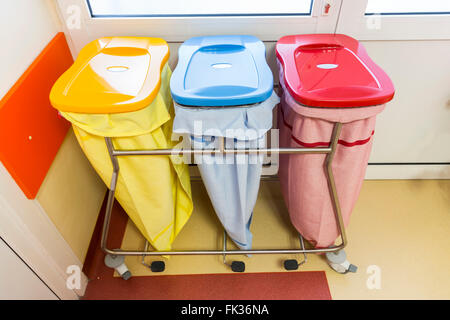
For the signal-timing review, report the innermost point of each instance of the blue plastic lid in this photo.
(221, 71)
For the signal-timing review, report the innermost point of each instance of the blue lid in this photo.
(221, 71)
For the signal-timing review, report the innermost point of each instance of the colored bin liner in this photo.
(154, 191)
(223, 87)
(303, 177)
(232, 181)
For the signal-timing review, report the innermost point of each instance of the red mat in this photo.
(247, 286)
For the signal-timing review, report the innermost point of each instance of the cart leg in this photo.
(339, 263)
(236, 266)
(338, 259)
(118, 263)
(155, 266)
(332, 185)
(111, 194)
(293, 264)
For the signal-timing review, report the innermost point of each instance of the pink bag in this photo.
(327, 78)
(303, 177)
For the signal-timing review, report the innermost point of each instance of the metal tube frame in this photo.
(330, 151)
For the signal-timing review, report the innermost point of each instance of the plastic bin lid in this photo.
(221, 71)
(112, 75)
(332, 70)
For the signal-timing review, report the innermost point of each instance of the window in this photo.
(178, 20)
(398, 7)
(197, 8)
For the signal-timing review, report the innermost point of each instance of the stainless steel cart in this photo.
(116, 257)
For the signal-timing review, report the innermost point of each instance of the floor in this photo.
(398, 238)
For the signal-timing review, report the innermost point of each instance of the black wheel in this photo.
(158, 266)
(291, 264)
(238, 266)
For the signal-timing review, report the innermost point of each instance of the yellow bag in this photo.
(155, 191)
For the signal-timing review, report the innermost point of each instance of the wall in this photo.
(25, 285)
(25, 28)
(415, 127)
(71, 194)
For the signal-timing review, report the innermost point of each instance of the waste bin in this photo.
(223, 88)
(326, 78)
(119, 88)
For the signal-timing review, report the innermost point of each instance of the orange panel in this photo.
(31, 131)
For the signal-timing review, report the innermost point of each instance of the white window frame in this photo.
(179, 29)
(353, 22)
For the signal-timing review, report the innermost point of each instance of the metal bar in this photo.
(221, 145)
(224, 247)
(143, 256)
(302, 245)
(220, 252)
(111, 193)
(331, 184)
(107, 219)
(166, 152)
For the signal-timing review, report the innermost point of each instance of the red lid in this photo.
(332, 70)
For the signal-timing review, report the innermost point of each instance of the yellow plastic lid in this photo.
(112, 75)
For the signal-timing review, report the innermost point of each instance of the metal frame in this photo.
(330, 151)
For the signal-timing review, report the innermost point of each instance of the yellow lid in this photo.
(112, 75)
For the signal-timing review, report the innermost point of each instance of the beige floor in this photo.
(401, 227)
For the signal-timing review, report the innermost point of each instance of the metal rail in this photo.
(178, 152)
(330, 151)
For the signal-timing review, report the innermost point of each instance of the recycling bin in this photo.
(118, 88)
(325, 79)
(222, 89)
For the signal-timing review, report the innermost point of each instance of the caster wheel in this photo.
(291, 264)
(339, 263)
(113, 261)
(158, 266)
(238, 266)
(118, 263)
(127, 275)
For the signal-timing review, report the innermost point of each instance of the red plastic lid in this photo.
(332, 70)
